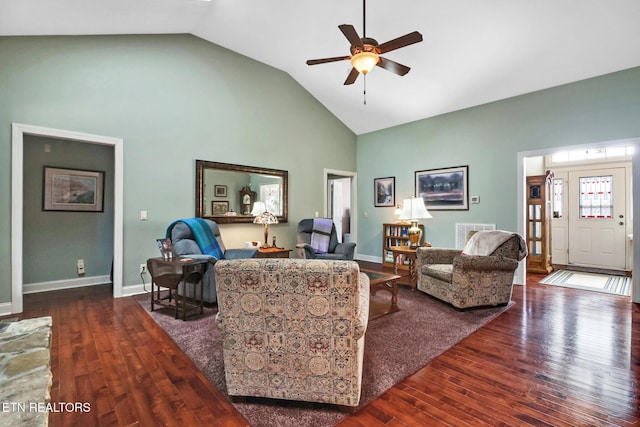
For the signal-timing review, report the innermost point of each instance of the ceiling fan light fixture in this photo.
(364, 61)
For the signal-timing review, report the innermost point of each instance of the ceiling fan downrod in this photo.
(364, 35)
(364, 18)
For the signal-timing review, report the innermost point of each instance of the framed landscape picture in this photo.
(384, 192)
(73, 190)
(444, 189)
(219, 207)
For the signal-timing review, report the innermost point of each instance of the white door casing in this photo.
(17, 152)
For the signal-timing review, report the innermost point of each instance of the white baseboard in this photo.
(6, 308)
(30, 288)
(369, 258)
(128, 291)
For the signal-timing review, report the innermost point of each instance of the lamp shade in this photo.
(364, 61)
(261, 214)
(414, 209)
(265, 218)
(258, 208)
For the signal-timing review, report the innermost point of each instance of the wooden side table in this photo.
(272, 252)
(379, 280)
(169, 273)
(411, 255)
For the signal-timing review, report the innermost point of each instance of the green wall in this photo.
(488, 138)
(53, 241)
(172, 99)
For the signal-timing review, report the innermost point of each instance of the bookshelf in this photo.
(396, 234)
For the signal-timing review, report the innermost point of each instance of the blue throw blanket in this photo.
(202, 235)
(321, 234)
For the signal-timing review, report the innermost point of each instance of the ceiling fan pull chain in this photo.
(364, 92)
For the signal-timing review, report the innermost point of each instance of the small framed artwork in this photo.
(444, 189)
(384, 192)
(73, 190)
(219, 207)
(220, 190)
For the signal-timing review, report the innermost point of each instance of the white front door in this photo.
(597, 204)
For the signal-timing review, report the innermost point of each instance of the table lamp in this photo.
(263, 217)
(413, 209)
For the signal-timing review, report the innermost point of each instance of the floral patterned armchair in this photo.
(293, 328)
(481, 275)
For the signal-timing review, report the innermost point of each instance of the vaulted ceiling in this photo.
(473, 51)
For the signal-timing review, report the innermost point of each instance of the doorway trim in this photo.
(18, 131)
(354, 197)
(521, 273)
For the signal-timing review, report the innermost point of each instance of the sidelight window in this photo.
(558, 194)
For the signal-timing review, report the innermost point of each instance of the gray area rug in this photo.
(396, 346)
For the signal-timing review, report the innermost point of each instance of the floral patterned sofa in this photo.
(470, 280)
(293, 328)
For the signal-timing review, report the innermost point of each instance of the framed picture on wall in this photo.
(220, 190)
(384, 192)
(219, 207)
(73, 190)
(444, 189)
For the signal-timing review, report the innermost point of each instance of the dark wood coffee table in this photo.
(380, 281)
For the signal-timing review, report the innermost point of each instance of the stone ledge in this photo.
(25, 372)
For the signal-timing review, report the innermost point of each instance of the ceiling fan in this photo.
(365, 51)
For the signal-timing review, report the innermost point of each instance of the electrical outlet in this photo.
(143, 268)
(80, 266)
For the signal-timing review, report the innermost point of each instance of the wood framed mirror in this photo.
(222, 190)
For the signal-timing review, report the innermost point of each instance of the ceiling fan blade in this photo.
(351, 34)
(351, 78)
(393, 66)
(325, 60)
(402, 41)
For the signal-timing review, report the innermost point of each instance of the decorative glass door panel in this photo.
(596, 197)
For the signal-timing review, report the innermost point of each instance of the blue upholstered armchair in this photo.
(335, 250)
(184, 244)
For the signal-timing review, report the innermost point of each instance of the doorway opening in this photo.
(19, 131)
(340, 203)
(569, 239)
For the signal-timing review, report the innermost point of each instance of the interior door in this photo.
(597, 204)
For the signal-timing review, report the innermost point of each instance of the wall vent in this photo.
(463, 229)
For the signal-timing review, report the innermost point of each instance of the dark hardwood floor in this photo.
(559, 357)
